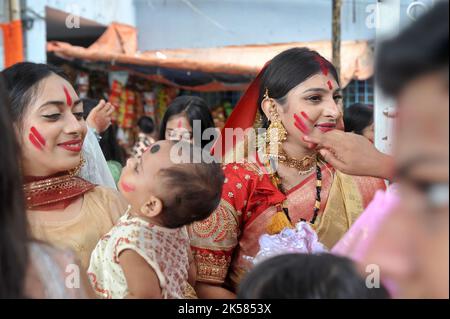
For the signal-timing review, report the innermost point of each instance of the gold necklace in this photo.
(303, 166)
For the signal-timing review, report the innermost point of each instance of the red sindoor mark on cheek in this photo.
(36, 139)
(38, 135)
(302, 129)
(300, 124)
(127, 188)
(68, 97)
(306, 117)
(35, 142)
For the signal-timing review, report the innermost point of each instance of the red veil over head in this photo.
(243, 115)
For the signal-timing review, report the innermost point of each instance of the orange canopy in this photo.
(118, 45)
(13, 42)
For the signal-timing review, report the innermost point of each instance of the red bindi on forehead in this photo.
(69, 100)
(324, 69)
(180, 124)
(330, 85)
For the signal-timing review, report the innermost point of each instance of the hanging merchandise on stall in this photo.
(150, 105)
(127, 110)
(118, 95)
(144, 83)
(165, 95)
(115, 97)
(133, 96)
(219, 118)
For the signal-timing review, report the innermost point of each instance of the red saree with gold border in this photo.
(249, 199)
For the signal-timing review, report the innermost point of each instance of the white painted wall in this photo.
(388, 26)
(210, 23)
(393, 15)
(175, 24)
(4, 16)
(102, 11)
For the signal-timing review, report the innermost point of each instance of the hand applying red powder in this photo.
(345, 150)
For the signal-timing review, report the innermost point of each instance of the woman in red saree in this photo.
(297, 92)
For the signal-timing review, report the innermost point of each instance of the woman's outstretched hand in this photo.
(351, 154)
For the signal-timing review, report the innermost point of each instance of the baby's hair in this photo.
(191, 192)
(307, 276)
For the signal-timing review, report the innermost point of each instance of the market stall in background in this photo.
(144, 83)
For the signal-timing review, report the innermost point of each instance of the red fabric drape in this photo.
(243, 115)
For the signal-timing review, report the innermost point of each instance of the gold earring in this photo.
(276, 133)
(75, 171)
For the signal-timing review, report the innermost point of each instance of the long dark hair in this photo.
(22, 82)
(195, 108)
(357, 117)
(13, 225)
(287, 70)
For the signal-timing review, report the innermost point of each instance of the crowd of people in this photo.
(313, 213)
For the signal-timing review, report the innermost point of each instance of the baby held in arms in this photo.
(147, 253)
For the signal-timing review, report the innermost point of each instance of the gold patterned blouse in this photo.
(100, 210)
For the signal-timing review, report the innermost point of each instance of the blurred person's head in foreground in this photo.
(358, 118)
(307, 276)
(413, 246)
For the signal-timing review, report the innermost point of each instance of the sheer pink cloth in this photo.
(358, 239)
